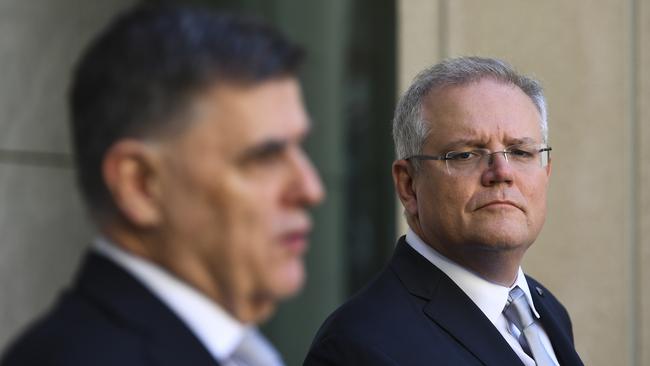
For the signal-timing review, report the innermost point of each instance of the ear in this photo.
(549, 167)
(403, 178)
(130, 171)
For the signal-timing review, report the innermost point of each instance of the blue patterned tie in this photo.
(518, 312)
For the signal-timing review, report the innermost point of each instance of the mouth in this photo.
(296, 241)
(500, 204)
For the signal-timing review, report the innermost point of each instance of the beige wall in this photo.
(643, 143)
(593, 57)
(43, 229)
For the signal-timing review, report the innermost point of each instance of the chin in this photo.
(498, 245)
(504, 238)
(289, 280)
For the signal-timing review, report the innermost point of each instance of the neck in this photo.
(236, 298)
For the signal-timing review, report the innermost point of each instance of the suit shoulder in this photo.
(74, 332)
(349, 337)
(347, 351)
(352, 329)
(369, 306)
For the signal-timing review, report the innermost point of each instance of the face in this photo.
(496, 208)
(236, 186)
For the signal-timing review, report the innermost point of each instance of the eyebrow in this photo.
(273, 145)
(265, 148)
(522, 141)
(474, 142)
(463, 143)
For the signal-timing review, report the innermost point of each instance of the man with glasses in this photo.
(472, 170)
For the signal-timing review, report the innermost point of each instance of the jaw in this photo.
(491, 247)
(495, 264)
(279, 276)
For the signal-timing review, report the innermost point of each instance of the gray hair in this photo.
(410, 129)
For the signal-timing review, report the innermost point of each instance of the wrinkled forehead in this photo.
(485, 110)
(237, 116)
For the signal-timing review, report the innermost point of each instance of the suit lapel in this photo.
(132, 306)
(557, 333)
(449, 307)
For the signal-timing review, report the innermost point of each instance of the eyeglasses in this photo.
(523, 157)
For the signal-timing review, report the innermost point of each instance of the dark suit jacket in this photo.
(107, 318)
(413, 314)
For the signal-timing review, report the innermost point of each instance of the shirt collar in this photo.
(490, 297)
(215, 328)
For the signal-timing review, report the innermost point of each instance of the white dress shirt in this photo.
(215, 328)
(490, 297)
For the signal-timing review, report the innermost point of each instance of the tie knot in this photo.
(518, 310)
(516, 293)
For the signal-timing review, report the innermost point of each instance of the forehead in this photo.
(486, 111)
(237, 116)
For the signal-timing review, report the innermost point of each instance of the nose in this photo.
(307, 189)
(498, 170)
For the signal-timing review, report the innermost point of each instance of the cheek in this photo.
(217, 213)
(444, 205)
(453, 198)
(259, 201)
(535, 195)
(252, 225)
(538, 205)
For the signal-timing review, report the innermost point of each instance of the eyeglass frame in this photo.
(482, 152)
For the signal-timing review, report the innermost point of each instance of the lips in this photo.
(296, 239)
(496, 203)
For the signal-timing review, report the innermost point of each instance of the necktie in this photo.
(255, 350)
(518, 312)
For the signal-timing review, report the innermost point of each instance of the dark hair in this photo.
(145, 68)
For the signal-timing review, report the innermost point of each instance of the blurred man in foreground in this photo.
(472, 170)
(187, 131)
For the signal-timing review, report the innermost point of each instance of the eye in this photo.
(461, 155)
(271, 155)
(522, 153)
